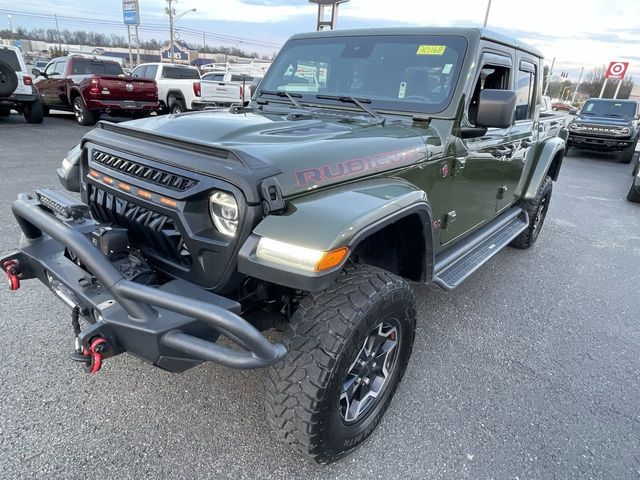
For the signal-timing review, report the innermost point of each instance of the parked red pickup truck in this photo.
(89, 86)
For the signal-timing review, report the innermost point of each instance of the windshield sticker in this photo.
(431, 50)
(403, 89)
(358, 166)
(447, 68)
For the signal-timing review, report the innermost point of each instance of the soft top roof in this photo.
(471, 34)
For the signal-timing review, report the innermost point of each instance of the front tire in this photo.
(348, 349)
(84, 116)
(636, 164)
(537, 211)
(626, 155)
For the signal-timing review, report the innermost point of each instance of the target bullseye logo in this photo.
(617, 70)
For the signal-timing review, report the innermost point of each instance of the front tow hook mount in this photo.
(93, 357)
(12, 270)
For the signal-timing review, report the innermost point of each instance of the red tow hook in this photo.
(94, 361)
(12, 270)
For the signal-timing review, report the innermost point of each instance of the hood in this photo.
(310, 153)
(603, 120)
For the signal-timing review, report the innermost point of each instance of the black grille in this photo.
(151, 232)
(150, 174)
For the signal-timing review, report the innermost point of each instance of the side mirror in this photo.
(496, 108)
(573, 111)
(37, 73)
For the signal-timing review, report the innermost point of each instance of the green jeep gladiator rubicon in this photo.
(366, 160)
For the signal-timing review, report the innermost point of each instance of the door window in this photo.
(151, 71)
(495, 77)
(525, 89)
(139, 72)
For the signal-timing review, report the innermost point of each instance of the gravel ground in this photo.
(528, 370)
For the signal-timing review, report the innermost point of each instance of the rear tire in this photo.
(537, 211)
(33, 112)
(84, 116)
(176, 105)
(348, 348)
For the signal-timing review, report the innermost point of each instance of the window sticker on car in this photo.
(431, 50)
(447, 68)
(403, 89)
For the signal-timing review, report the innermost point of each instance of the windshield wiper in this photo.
(283, 94)
(358, 102)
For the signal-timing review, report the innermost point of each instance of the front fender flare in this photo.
(545, 155)
(334, 218)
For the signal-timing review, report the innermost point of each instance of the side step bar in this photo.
(455, 264)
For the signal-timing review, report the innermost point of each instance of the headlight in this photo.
(625, 131)
(298, 257)
(224, 212)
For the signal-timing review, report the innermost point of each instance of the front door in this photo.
(478, 174)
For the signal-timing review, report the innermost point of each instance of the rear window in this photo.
(95, 67)
(10, 57)
(178, 73)
(216, 77)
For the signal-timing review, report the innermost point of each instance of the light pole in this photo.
(486, 15)
(173, 18)
(10, 24)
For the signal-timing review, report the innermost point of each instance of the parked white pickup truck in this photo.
(241, 80)
(180, 87)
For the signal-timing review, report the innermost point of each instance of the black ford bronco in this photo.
(366, 160)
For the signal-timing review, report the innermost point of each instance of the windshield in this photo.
(403, 73)
(92, 67)
(621, 109)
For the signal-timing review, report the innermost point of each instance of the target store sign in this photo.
(617, 70)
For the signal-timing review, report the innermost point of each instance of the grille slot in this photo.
(150, 231)
(150, 174)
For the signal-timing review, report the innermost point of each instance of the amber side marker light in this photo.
(168, 201)
(332, 259)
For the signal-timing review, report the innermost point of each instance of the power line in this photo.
(148, 27)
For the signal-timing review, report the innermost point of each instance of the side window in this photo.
(139, 72)
(493, 77)
(60, 67)
(50, 69)
(525, 88)
(151, 72)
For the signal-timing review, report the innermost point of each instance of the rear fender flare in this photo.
(342, 216)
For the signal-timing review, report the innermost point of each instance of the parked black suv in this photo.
(606, 125)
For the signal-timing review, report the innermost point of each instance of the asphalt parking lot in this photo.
(528, 370)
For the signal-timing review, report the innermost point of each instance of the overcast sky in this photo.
(577, 33)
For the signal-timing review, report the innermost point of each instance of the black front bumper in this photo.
(174, 326)
(602, 144)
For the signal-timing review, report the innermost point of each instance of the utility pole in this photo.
(137, 45)
(10, 24)
(58, 29)
(573, 99)
(546, 87)
(171, 13)
(486, 15)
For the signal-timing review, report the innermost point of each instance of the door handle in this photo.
(501, 152)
